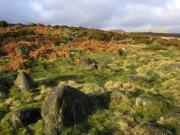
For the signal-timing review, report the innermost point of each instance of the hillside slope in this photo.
(141, 73)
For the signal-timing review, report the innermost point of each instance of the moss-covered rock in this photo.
(20, 117)
(64, 107)
(24, 81)
(24, 117)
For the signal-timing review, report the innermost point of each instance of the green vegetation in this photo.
(3, 24)
(145, 71)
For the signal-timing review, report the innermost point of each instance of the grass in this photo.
(144, 71)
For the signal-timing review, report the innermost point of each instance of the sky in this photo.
(129, 15)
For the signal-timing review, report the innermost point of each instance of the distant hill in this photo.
(117, 30)
(159, 34)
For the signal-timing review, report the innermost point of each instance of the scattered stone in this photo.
(91, 62)
(24, 117)
(154, 102)
(64, 107)
(24, 81)
(122, 52)
(144, 101)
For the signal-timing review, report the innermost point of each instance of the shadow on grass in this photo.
(98, 101)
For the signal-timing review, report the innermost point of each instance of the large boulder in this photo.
(24, 81)
(64, 107)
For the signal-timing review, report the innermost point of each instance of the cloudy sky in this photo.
(130, 15)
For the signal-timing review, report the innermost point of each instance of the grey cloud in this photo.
(130, 15)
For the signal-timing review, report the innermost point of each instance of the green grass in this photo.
(152, 76)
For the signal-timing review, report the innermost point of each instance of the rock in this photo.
(24, 117)
(122, 52)
(153, 105)
(24, 81)
(143, 101)
(90, 61)
(64, 107)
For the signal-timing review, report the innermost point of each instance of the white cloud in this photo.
(131, 15)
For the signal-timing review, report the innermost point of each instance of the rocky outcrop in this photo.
(24, 81)
(64, 107)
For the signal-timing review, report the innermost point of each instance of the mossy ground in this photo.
(143, 71)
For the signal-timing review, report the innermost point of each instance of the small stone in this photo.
(24, 81)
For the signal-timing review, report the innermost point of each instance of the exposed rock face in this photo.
(24, 117)
(64, 107)
(24, 81)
